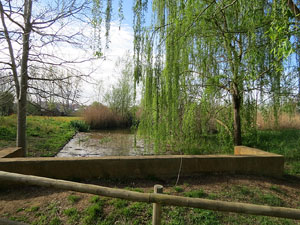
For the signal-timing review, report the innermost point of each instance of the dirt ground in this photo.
(20, 203)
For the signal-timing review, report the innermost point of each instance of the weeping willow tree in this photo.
(207, 65)
(102, 11)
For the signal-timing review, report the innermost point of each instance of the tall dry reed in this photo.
(285, 121)
(101, 117)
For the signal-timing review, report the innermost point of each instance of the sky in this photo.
(121, 41)
(101, 70)
(104, 69)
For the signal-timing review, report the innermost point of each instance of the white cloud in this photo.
(120, 42)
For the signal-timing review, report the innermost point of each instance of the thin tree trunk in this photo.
(295, 10)
(237, 130)
(21, 131)
(22, 99)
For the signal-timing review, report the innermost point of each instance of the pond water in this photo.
(104, 143)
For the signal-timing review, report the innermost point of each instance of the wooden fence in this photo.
(157, 198)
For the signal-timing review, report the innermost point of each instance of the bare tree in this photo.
(36, 34)
(56, 87)
(6, 94)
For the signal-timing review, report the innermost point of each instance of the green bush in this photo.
(80, 125)
(7, 133)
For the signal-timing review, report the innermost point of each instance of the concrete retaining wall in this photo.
(246, 161)
(12, 152)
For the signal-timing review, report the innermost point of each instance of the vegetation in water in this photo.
(80, 125)
(99, 116)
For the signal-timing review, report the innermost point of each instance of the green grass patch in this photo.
(243, 192)
(283, 142)
(45, 135)
(93, 213)
(73, 199)
(119, 203)
(73, 215)
(33, 209)
(19, 218)
(55, 221)
(277, 189)
(20, 210)
(105, 140)
(80, 125)
(106, 211)
(134, 189)
(212, 196)
(178, 189)
(196, 194)
(95, 199)
(270, 199)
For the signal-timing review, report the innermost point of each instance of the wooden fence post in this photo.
(156, 217)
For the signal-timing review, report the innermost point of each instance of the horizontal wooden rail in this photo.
(154, 198)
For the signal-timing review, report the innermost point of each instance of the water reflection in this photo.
(104, 143)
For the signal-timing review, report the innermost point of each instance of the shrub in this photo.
(7, 133)
(99, 116)
(80, 125)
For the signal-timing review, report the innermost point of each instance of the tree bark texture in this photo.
(22, 98)
(237, 128)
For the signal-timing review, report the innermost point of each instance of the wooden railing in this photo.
(156, 198)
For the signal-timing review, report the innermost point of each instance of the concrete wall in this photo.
(244, 150)
(247, 161)
(12, 152)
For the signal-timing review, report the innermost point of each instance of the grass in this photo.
(96, 210)
(105, 140)
(195, 194)
(38, 215)
(283, 142)
(73, 215)
(178, 189)
(73, 198)
(80, 125)
(45, 135)
(119, 203)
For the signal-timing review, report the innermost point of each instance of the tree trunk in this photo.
(295, 10)
(237, 130)
(22, 98)
(21, 131)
